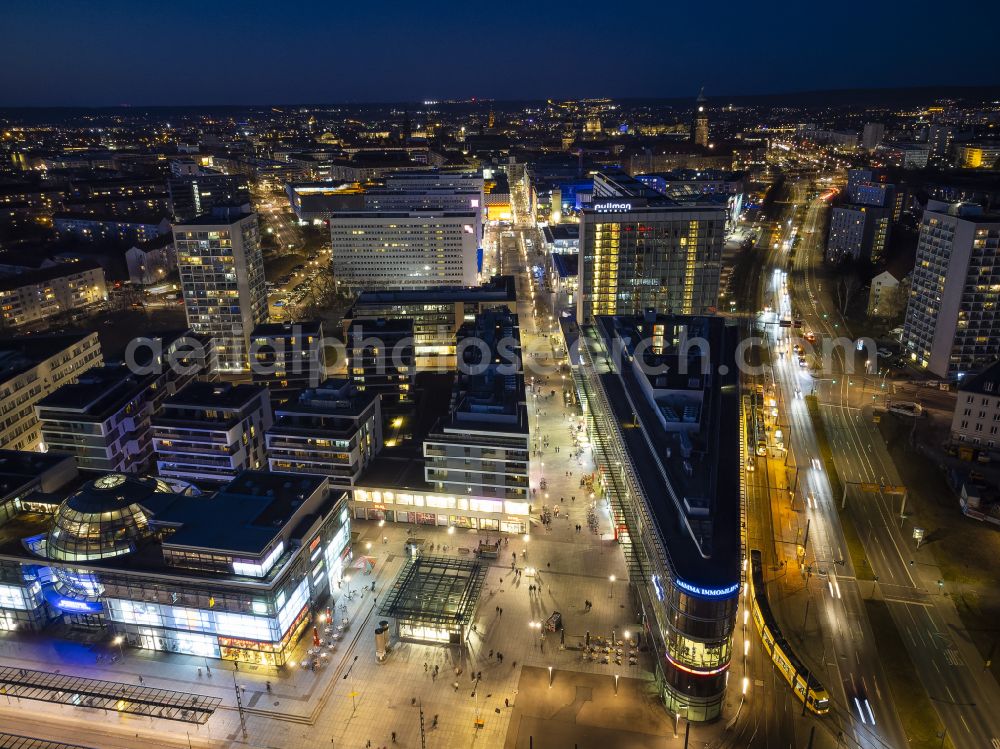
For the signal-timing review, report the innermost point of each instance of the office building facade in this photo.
(666, 434)
(405, 249)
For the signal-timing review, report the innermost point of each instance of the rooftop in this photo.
(686, 454)
(246, 515)
(567, 264)
(498, 289)
(99, 393)
(43, 275)
(218, 395)
(17, 355)
(284, 329)
(561, 232)
(986, 382)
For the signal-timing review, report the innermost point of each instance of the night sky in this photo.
(79, 53)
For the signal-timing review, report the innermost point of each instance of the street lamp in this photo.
(550, 677)
(611, 586)
(347, 581)
(118, 641)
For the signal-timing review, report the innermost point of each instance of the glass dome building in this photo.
(105, 518)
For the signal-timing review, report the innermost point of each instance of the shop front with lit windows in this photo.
(446, 510)
(236, 575)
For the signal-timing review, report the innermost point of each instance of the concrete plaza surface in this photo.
(585, 711)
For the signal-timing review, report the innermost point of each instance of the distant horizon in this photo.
(714, 100)
(192, 53)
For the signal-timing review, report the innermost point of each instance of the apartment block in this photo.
(331, 430)
(212, 431)
(31, 367)
(952, 323)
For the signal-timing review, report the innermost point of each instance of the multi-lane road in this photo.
(811, 573)
(965, 698)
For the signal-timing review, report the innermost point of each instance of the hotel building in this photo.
(640, 249)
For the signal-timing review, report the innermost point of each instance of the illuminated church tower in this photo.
(699, 128)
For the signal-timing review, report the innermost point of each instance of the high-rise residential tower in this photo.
(952, 321)
(222, 277)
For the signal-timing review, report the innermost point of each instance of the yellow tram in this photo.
(805, 686)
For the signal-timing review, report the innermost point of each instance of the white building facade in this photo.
(222, 277)
(952, 321)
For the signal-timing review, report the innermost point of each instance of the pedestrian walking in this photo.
(393, 737)
(506, 702)
(501, 611)
(425, 666)
(491, 655)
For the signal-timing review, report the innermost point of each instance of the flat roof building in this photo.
(380, 359)
(663, 414)
(437, 313)
(235, 575)
(287, 355)
(952, 323)
(212, 431)
(481, 448)
(222, 277)
(38, 295)
(31, 367)
(405, 249)
(331, 430)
